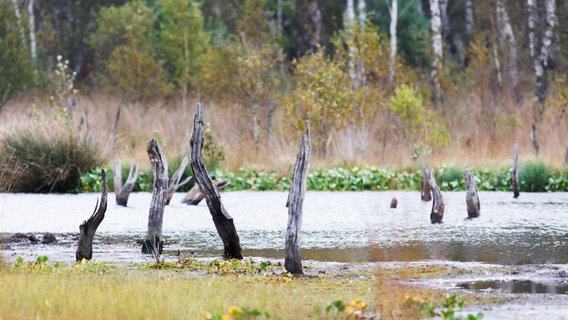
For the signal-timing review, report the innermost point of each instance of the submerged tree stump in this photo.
(176, 177)
(122, 192)
(88, 228)
(394, 203)
(153, 243)
(426, 188)
(293, 260)
(221, 218)
(472, 197)
(515, 174)
(438, 206)
(194, 196)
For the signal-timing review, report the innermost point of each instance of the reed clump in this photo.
(534, 176)
(48, 156)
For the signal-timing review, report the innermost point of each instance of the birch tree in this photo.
(540, 60)
(436, 25)
(507, 36)
(393, 10)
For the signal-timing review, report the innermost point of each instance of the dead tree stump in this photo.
(472, 196)
(88, 228)
(437, 214)
(122, 192)
(515, 174)
(394, 203)
(293, 260)
(221, 218)
(153, 243)
(194, 196)
(176, 177)
(426, 188)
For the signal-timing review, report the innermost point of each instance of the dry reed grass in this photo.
(479, 139)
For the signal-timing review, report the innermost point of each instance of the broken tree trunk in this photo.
(515, 174)
(394, 203)
(153, 243)
(88, 228)
(426, 189)
(437, 214)
(114, 130)
(472, 197)
(194, 196)
(293, 260)
(122, 192)
(222, 220)
(176, 177)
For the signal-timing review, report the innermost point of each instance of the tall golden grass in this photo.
(478, 138)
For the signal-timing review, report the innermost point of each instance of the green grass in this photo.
(534, 176)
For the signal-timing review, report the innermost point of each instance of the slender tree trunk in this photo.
(223, 221)
(269, 125)
(362, 8)
(176, 177)
(468, 16)
(293, 260)
(437, 66)
(33, 45)
(20, 24)
(185, 70)
(506, 35)
(426, 188)
(393, 40)
(88, 228)
(114, 130)
(153, 243)
(122, 192)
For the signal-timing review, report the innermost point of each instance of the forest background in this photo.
(384, 82)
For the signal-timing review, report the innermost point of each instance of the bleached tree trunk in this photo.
(446, 27)
(19, 23)
(393, 10)
(506, 35)
(436, 26)
(497, 63)
(33, 45)
(185, 70)
(540, 61)
(349, 25)
(468, 16)
(362, 8)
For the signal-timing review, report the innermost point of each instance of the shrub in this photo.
(534, 176)
(47, 158)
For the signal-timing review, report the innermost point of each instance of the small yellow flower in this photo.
(225, 317)
(234, 311)
(207, 315)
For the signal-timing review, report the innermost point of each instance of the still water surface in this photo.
(337, 226)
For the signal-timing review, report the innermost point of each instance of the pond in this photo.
(337, 226)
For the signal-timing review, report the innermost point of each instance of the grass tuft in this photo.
(534, 176)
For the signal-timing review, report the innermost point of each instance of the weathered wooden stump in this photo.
(153, 243)
(194, 196)
(394, 203)
(472, 197)
(114, 130)
(426, 188)
(515, 173)
(122, 192)
(88, 228)
(221, 218)
(438, 206)
(176, 177)
(293, 260)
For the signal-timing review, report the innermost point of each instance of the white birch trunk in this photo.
(436, 25)
(349, 31)
(362, 7)
(468, 16)
(19, 23)
(506, 35)
(393, 9)
(33, 45)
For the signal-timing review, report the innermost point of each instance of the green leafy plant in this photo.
(239, 313)
(425, 309)
(534, 176)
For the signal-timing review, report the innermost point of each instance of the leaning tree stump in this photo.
(122, 192)
(176, 177)
(221, 218)
(194, 196)
(472, 196)
(515, 173)
(153, 243)
(394, 203)
(425, 189)
(88, 228)
(293, 260)
(438, 206)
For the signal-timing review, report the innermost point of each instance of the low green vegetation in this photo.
(194, 289)
(534, 176)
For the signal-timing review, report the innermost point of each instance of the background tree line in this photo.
(394, 69)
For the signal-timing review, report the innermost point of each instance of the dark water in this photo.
(516, 286)
(337, 226)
